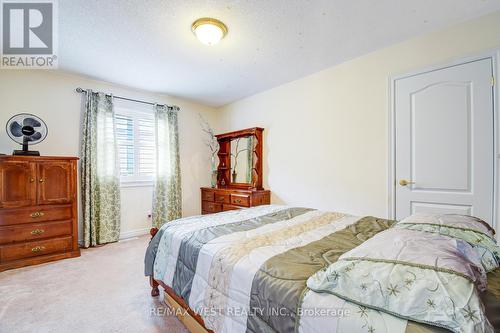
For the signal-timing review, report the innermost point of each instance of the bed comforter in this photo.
(246, 271)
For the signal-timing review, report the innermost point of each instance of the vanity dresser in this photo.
(38, 210)
(239, 174)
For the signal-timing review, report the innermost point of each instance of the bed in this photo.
(270, 269)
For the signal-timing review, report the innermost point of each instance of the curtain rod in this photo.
(170, 107)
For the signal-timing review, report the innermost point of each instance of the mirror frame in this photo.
(224, 154)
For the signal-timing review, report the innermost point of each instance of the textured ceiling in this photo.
(149, 44)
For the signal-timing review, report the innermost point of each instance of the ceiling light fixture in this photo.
(208, 30)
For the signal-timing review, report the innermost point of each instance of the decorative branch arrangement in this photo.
(211, 140)
(212, 144)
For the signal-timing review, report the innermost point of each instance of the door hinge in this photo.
(493, 81)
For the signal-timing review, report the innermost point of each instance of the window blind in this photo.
(125, 141)
(136, 145)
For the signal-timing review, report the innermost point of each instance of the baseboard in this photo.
(134, 233)
(127, 234)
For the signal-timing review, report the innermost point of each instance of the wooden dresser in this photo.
(214, 200)
(38, 210)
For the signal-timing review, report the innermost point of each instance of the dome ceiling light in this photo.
(208, 30)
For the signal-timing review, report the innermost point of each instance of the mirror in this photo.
(241, 160)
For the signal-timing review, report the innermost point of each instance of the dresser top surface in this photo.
(35, 158)
(232, 190)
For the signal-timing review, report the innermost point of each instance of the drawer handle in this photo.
(37, 232)
(238, 200)
(37, 249)
(37, 214)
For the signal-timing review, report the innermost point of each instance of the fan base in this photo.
(26, 153)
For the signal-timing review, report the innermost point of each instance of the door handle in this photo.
(404, 182)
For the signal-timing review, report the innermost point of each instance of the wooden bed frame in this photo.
(193, 322)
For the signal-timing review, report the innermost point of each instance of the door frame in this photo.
(494, 55)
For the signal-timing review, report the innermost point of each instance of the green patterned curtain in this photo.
(99, 172)
(167, 202)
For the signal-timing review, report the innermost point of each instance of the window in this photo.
(135, 133)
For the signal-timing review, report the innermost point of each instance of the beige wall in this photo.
(326, 135)
(51, 95)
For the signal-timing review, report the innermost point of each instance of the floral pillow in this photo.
(416, 275)
(474, 231)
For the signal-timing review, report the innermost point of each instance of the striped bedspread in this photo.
(246, 270)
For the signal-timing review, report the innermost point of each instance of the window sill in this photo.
(136, 183)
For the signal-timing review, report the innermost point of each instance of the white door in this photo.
(444, 141)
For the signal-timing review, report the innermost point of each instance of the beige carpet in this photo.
(104, 290)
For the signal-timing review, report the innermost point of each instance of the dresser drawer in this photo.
(230, 207)
(222, 198)
(29, 232)
(207, 195)
(33, 249)
(34, 214)
(211, 207)
(240, 200)
(261, 199)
